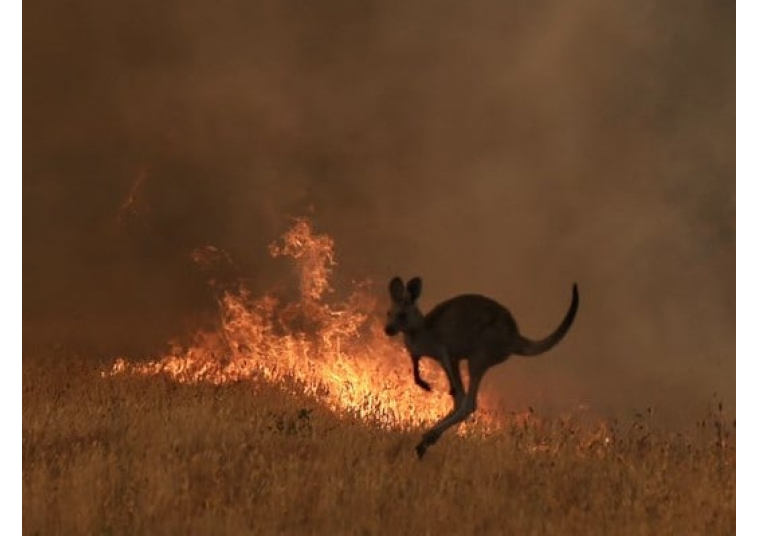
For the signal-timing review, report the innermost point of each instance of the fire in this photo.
(335, 352)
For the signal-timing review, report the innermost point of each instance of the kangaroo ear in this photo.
(396, 289)
(414, 288)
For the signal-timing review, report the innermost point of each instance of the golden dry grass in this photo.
(149, 456)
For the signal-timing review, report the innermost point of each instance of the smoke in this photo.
(509, 149)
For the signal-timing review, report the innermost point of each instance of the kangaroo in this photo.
(468, 326)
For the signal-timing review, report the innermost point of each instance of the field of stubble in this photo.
(149, 456)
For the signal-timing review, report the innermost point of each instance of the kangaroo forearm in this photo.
(417, 376)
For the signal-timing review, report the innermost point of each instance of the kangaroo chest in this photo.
(422, 345)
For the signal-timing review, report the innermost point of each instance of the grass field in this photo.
(146, 455)
(301, 418)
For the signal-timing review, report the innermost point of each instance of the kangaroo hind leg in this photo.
(460, 413)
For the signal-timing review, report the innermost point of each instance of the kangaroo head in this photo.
(404, 314)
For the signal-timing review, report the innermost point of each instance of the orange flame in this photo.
(334, 352)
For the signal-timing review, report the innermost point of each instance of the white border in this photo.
(11, 225)
(747, 299)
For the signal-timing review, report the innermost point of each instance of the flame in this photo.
(335, 352)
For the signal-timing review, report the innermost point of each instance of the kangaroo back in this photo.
(527, 347)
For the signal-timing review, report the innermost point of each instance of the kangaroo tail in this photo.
(527, 347)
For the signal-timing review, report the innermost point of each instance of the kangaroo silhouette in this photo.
(468, 326)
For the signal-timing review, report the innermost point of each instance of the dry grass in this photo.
(148, 456)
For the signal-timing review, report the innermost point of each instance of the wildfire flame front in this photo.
(334, 352)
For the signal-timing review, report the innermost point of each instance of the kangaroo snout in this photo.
(391, 330)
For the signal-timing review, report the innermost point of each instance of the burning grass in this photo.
(332, 351)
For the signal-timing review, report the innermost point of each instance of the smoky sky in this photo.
(505, 148)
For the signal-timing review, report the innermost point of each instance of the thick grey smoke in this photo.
(507, 148)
